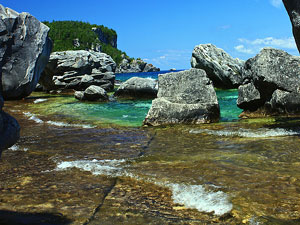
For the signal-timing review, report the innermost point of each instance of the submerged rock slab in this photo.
(293, 9)
(184, 97)
(78, 70)
(271, 83)
(220, 67)
(137, 87)
(24, 52)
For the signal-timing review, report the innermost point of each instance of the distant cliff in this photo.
(76, 35)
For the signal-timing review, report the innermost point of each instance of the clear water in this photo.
(121, 112)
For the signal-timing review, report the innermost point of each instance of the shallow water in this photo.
(249, 168)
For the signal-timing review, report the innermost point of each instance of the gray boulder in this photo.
(78, 70)
(137, 87)
(92, 93)
(184, 97)
(271, 84)
(293, 9)
(220, 67)
(24, 52)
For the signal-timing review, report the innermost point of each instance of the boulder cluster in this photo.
(135, 66)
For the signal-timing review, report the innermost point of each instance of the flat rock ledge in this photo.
(271, 85)
(185, 97)
(137, 87)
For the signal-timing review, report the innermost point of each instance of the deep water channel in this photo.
(91, 162)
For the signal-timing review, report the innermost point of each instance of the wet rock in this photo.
(9, 131)
(92, 93)
(293, 9)
(220, 67)
(137, 87)
(271, 83)
(78, 70)
(24, 53)
(184, 97)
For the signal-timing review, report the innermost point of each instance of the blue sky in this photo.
(164, 32)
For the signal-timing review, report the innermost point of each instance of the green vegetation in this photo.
(64, 32)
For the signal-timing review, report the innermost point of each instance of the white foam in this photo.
(14, 147)
(191, 196)
(62, 124)
(249, 133)
(125, 116)
(33, 117)
(143, 105)
(40, 100)
(17, 148)
(96, 167)
(196, 197)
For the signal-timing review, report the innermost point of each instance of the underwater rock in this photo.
(184, 97)
(78, 70)
(271, 83)
(137, 87)
(220, 67)
(92, 93)
(293, 9)
(24, 52)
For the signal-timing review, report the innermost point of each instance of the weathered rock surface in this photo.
(293, 9)
(92, 93)
(184, 97)
(135, 66)
(24, 52)
(78, 70)
(113, 41)
(271, 83)
(220, 67)
(137, 87)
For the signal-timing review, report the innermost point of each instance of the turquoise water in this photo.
(120, 112)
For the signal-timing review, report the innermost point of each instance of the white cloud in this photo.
(254, 46)
(242, 49)
(276, 3)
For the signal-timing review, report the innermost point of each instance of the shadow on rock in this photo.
(17, 218)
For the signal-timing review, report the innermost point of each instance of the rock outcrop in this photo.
(78, 70)
(113, 40)
(92, 93)
(135, 66)
(184, 97)
(271, 84)
(137, 87)
(220, 67)
(24, 53)
(293, 9)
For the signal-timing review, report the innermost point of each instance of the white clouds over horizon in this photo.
(254, 46)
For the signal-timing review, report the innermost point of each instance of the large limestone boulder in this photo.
(271, 84)
(293, 9)
(220, 67)
(137, 87)
(184, 97)
(24, 52)
(78, 70)
(92, 93)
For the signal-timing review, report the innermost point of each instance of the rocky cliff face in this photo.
(78, 70)
(271, 84)
(135, 66)
(104, 39)
(293, 9)
(24, 53)
(221, 68)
